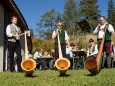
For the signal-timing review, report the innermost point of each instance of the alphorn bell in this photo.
(93, 65)
(62, 64)
(28, 65)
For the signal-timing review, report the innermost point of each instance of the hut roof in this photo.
(13, 10)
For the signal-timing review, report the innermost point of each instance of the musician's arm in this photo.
(54, 34)
(110, 29)
(35, 56)
(88, 53)
(21, 34)
(8, 32)
(67, 38)
(96, 50)
(96, 30)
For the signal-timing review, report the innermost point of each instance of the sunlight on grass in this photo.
(51, 78)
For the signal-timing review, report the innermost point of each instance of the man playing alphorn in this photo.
(63, 36)
(13, 33)
(100, 32)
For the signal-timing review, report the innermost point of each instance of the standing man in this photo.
(63, 36)
(100, 32)
(13, 33)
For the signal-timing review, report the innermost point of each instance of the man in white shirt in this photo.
(92, 50)
(100, 32)
(64, 38)
(38, 58)
(13, 33)
(69, 53)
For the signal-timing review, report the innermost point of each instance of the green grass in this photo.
(51, 78)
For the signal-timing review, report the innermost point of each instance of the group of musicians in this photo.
(93, 48)
(13, 33)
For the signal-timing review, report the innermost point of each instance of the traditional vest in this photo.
(61, 36)
(14, 32)
(93, 49)
(107, 35)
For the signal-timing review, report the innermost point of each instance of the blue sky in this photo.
(33, 9)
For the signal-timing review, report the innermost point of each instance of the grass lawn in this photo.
(51, 78)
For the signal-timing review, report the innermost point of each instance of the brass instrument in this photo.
(62, 64)
(93, 65)
(28, 65)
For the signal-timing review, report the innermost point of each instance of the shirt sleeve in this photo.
(8, 31)
(95, 52)
(35, 56)
(71, 53)
(66, 36)
(88, 52)
(53, 34)
(96, 30)
(110, 28)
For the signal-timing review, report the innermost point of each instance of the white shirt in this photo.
(100, 32)
(8, 30)
(69, 51)
(66, 35)
(90, 50)
(37, 55)
(114, 49)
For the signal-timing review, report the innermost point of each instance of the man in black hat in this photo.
(93, 49)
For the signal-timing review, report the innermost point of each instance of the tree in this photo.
(70, 16)
(111, 12)
(31, 32)
(47, 23)
(59, 18)
(89, 9)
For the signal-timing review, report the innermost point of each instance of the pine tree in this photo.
(111, 12)
(89, 9)
(48, 21)
(70, 16)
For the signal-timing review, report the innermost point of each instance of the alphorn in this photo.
(28, 65)
(94, 65)
(62, 64)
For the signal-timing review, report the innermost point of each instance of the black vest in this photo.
(61, 36)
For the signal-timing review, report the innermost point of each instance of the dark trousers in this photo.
(63, 48)
(106, 48)
(41, 62)
(14, 47)
(70, 59)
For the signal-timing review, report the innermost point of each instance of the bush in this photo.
(46, 45)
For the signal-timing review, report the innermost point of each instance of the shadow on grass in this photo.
(90, 74)
(31, 76)
(64, 75)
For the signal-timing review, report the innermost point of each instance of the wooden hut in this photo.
(8, 8)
